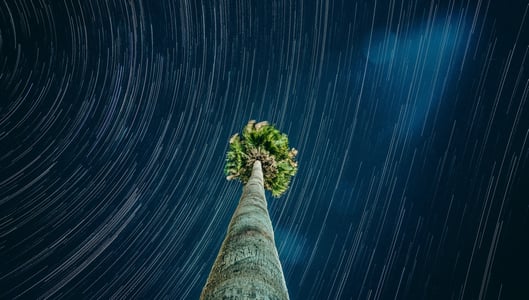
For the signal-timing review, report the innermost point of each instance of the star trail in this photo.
(411, 120)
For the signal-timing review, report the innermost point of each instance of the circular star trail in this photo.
(411, 121)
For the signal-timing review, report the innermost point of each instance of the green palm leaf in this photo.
(262, 141)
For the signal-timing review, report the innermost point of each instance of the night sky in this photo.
(411, 120)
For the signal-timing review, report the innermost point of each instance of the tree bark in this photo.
(247, 266)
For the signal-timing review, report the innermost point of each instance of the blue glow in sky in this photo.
(415, 68)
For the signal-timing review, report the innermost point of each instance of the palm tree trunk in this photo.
(247, 266)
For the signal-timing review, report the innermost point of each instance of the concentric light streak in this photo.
(411, 120)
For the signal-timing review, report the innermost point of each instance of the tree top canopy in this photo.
(262, 141)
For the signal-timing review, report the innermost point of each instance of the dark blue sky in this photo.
(411, 121)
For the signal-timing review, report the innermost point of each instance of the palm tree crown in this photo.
(262, 141)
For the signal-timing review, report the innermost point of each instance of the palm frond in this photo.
(262, 141)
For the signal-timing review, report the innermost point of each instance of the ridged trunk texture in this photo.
(247, 266)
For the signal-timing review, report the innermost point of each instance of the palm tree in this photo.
(247, 266)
